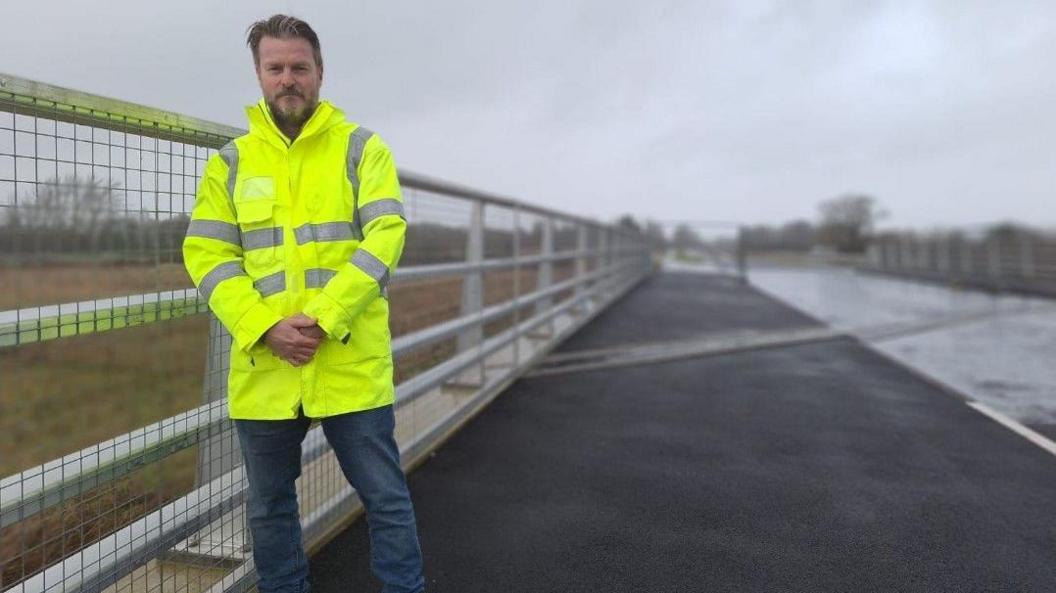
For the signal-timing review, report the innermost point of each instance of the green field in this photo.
(78, 380)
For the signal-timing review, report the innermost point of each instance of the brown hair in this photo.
(283, 27)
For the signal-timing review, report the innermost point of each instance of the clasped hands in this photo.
(295, 339)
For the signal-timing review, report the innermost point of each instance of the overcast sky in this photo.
(749, 111)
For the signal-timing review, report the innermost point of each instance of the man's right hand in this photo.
(288, 343)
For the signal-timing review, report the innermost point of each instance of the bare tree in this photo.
(68, 214)
(847, 221)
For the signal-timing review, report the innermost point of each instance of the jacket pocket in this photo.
(369, 337)
(262, 236)
(255, 212)
(259, 358)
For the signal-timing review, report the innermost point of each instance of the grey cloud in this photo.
(751, 111)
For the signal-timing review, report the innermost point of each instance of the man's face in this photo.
(289, 78)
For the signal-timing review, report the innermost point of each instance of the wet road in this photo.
(813, 467)
(995, 349)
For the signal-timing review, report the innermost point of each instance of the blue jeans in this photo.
(370, 460)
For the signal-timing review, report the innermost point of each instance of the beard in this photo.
(291, 118)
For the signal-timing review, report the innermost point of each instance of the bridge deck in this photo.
(813, 467)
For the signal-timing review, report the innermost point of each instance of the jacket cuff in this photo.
(330, 316)
(253, 324)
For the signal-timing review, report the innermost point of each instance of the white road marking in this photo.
(1013, 425)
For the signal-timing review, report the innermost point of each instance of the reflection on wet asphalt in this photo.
(1003, 357)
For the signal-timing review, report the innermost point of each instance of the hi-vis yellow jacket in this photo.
(317, 227)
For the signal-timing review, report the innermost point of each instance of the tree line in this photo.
(70, 218)
(845, 224)
(73, 219)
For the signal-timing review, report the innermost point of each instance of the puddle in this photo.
(1002, 358)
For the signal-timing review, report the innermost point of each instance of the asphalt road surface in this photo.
(814, 467)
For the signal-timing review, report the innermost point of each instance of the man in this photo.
(295, 232)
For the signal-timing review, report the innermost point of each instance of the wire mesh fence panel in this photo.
(1045, 261)
(436, 228)
(594, 245)
(566, 236)
(530, 233)
(95, 205)
(121, 469)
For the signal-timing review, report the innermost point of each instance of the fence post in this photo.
(742, 255)
(516, 248)
(601, 257)
(967, 259)
(643, 254)
(604, 247)
(872, 255)
(473, 282)
(942, 247)
(955, 246)
(1026, 257)
(545, 267)
(993, 251)
(582, 246)
(920, 248)
(220, 453)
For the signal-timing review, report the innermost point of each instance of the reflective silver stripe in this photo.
(224, 271)
(258, 239)
(271, 284)
(317, 277)
(372, 266)
(383, 207)
(230, 155)
(327, 231)
(357, 142)
(215, 229)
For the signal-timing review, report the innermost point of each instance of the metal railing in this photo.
(1014, 261)
(98, 320)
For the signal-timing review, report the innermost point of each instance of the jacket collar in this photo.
(261, 123)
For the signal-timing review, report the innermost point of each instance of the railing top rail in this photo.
(427, 183)
(30, 97)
